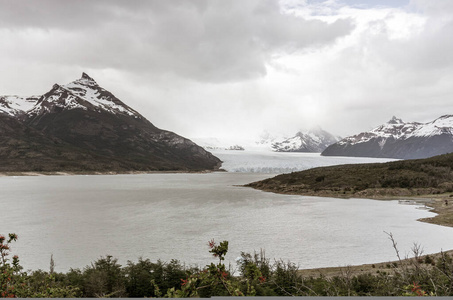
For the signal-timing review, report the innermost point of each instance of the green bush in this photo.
(257, 276)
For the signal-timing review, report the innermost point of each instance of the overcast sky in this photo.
(235, 68)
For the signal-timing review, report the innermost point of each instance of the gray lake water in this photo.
(165, 216)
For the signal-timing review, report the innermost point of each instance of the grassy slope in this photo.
(408, 177)
(431, 177)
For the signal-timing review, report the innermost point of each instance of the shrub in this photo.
(14, 283)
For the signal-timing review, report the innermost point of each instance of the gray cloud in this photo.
(211, 41)
(432, 8)
(235, 68)
(382, 75)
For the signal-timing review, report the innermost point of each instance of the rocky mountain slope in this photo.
(397, 139)
(314, 140)
(82, 127)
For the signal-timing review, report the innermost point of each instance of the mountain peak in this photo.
(86, 78)
(395, 120)
(397, 139)
(313, 140)
(445, 117)
(81, 127)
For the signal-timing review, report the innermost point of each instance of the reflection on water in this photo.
(165, 216)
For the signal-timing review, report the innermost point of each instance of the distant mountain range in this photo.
(397, 139)
(314, 140)
(212, 143)
(82, 127)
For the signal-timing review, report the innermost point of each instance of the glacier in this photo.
(283, 162)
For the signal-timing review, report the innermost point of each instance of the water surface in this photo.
(165, 216)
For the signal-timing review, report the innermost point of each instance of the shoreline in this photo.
(372, 268)
(69, 173)
(443, 217)
(441, 204)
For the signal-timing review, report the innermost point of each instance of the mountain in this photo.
(397, 139)
(266, 139)
(15, 105)
(213, 144)
(81, 126)
(314, 140)
(23, 148)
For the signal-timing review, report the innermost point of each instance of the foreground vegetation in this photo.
(258, 276)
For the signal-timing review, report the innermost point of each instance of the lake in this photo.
(165, 216)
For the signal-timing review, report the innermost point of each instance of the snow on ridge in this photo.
(397, 129)
(441, 125)
(90, 91)
(290, 144)
(359, 138)
(14, 105)
(79, 92)
(314, 139)
(55, 97)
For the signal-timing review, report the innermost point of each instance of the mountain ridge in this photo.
(314, 140)
(398, 139)
(86, 118)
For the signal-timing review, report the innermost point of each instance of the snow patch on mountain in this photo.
(266, 139)
(83, 93)
(399, 130)
(397, 139)
(87, 89)
(314, 140)
(217, 144)
(439, 126)
(16, 105)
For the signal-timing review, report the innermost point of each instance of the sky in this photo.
(235, 69)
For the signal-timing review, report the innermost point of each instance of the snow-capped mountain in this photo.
(15, 105)
(266, 139)
(83, 118)
(83, 93)
(217, 144)
(314, 140)
(397, 139)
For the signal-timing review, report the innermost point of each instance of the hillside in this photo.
(400, 178)
(82, 127)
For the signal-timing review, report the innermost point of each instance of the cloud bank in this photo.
(212, 41)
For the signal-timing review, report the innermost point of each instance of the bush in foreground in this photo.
(258, 276)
